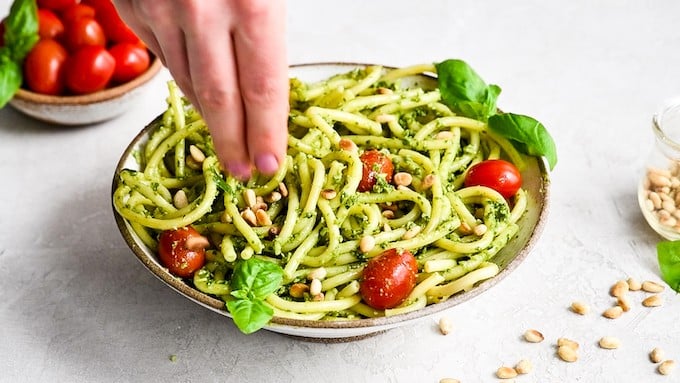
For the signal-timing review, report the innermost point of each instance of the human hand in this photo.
(229, 59)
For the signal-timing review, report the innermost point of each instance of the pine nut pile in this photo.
(662, 195)
(567, 350)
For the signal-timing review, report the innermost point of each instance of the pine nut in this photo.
(465, 228)
(260, 206)
(385, 118)
(318, 273)
(274, 230)
(449, 380)
(444, 135)
(658, 180)
(619, 288)
(249, 216)
(656, 355)
(315, 287)
(653, 301)
(283, 190)
(298, 290)
(197, 243)
(191, 163)
(524, 366)
(533, 336)
(480, 229)
(402, 179)
(656, 200)
(659, 171)
(633, 284)
(180, 199)
(445, 325)
(669, 221)
(249, 197)
(609, 342)
(389, 214)
(328, 194)
(273, 197)
(566, 342)
(262, 217)
(225, 217)
(613, 312)
(567, 354)
(652, 287)
(412, 232)
(580, 308)
(367, 243)
(666, 367)
(347, 145)
(318, 297)
(668, 206)
(196, 154)
(383, 90)
(624, 303)
(506, 373)
(428, 181)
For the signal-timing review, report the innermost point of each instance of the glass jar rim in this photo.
(657, 122)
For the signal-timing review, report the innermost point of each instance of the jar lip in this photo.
(657, 122)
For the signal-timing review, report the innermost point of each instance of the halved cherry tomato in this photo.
(44, 67)
(374, 163)
(89, 69)
(49, 25)
(131, 61)
(114, 27)
(388, 279)
(499, 175)
(83, 31)
(55, 5)
(75, 12)
(178, 254)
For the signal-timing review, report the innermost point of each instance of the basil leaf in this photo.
(21, 28)
(464, 91)
(527, 135)
(10, 79)
(257, 277)
(668, 254)
(249, 315)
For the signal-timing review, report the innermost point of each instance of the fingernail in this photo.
(266, 163)
(239, 170)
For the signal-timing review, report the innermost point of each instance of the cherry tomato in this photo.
(83, 31)
(388, 279)
(44, 67)
(499, 175)
(89, 69)
(131, 61)
(114, 27)
(173, 252)
(75, 12)
(374, 163)
(50, 26)
(55, 5)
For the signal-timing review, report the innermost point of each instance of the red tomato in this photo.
(89, 69)
(499, 175)
(44, 67)
(131, 61)
(374, 164)
(82, 32)
(388, 279)
(75, 12)
(50, 26)
(55, 5)
(180, 259)
(115, 28)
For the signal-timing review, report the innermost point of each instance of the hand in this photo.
(229, 59)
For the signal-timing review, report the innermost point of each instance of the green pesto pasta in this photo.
(310, 217)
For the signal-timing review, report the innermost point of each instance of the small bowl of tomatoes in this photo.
(86, 67)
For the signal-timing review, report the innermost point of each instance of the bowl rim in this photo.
(380, 323)
(95, 97)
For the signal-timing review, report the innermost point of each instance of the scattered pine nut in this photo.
(609, 342)
(449, 380)
(656, 355)
(318, 297)
(444, 135)
(567, 354)
(580, 308)
(298, 290)
(273, 197)
(249, 197)
(619, 289)
(633, 284)
(402, 179)
(180, 199)
(506, 373)
(197, 243)
(480, 229)
(367, 243)
(328, 194)
(533, 336)
(318, 273)
(613, 312)
(249, 216)
(196, 154)
(623, 302)
(283, 190)
(389, 214)
(445, 325)
(262, 217)
(524, 366)
(412, 232)
(315, 287)
(653, 301)
(666, 367)
(652, 287)
(428, 181)
(566, 342)
(347, 145)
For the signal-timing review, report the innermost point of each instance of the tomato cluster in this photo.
(84, 47)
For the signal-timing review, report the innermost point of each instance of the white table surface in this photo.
(77, 306)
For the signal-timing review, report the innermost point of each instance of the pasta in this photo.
(309, 218)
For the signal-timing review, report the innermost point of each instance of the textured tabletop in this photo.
(77, 306)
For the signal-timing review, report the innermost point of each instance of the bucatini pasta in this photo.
(310, 218)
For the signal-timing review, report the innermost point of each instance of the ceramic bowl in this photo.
(535, 182)
(88, 108)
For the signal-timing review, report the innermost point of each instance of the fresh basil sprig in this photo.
(466, 93)
(668, 254)
(21, 34)
(252, 281)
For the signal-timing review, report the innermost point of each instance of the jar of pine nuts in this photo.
(659, 189)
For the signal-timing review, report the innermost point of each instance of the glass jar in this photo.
(659, 188)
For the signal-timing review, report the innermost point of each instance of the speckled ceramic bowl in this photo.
(88, 108)
(535, 182)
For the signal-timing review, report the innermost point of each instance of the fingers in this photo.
(260, 44)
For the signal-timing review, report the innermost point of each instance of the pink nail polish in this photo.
(239, 170)
(266, 163)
